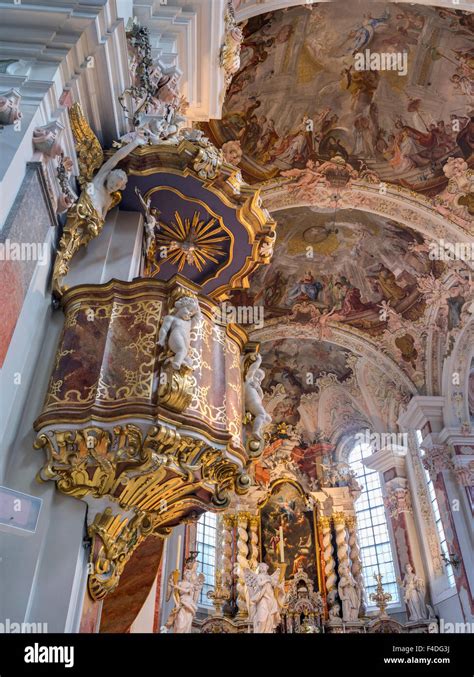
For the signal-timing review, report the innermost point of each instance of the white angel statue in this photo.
(265, 598)
(186, 594)
(254, 396)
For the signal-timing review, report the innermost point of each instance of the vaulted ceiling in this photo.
(354, 302)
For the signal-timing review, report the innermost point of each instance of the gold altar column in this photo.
(354, 556)
(242, 561)
(329, 563)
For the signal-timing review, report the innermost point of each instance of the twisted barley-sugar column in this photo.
(339, 520)
(253, 559)
(329, 562)
(354, 555)
(228, 522)
(242, 561)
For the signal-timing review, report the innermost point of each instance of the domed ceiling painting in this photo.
(298, 96)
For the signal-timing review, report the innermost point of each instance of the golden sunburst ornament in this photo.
(192, 241)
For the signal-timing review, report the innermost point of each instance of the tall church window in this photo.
(374, 540)
(206, 547)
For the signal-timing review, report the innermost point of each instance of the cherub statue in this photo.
(414, 595)
(266, 597)
(175, 332)
(232, 152)
(254, 396)
(185, 594)
(151, 219)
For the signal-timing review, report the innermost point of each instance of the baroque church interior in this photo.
(237, 338)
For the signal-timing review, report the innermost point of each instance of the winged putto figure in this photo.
(185, 594)
(265, 598)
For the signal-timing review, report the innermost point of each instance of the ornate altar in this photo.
(304, 609)
(288, 513)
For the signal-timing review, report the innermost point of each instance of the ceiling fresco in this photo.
(344, 267)
(297, 366)
(299, 97)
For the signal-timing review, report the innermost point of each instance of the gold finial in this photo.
(380, 597)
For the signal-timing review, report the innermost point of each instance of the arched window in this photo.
(437, 516)
(206, 547)
(374, 541)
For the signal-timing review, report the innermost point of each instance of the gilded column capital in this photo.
(339, 517)
(229, 521)
(324, 521)
(351, 521)
(243, 518)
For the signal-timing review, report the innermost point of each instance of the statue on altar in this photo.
(185, 594)
(266, 598)
(414, 595)
(349, 594)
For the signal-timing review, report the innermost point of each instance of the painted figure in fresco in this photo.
(363, 35)
(362, 86)
(175, 332)
(465, 138)
(302, 554)
(267, 140)
(455, 304)
(185, 594)
(266, 595)
(385, 282)
(295, 147)
(305, 289)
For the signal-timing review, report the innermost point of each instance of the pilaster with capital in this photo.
(436, 456)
